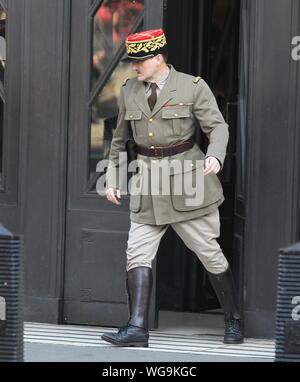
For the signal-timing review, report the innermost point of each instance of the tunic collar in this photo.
(161, 82)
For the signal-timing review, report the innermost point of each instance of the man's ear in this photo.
(160, 58)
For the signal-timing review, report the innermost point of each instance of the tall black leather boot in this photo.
(135, 333)
(223, 285)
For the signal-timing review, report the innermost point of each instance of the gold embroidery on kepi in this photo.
(146, 44)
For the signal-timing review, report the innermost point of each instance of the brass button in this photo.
(151, 120)
(151, 134)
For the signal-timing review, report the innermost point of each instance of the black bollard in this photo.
(11, 297)
(288, 305)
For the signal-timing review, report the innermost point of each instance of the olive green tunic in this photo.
(184, 105)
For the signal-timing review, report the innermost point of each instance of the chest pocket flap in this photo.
(133, 115)
(176, 112)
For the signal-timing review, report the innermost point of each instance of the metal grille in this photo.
(288, 305)
(11, 297)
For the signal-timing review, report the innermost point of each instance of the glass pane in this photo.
(104, 118)
(2, 42)
(2, 70)
(112, 23)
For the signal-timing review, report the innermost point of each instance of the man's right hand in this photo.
(113, 195)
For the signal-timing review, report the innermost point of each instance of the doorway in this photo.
(206, 44)
(203, 40)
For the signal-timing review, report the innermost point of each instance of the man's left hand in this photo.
(212, 165)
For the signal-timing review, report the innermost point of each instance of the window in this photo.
(113, 21)
(2, 73)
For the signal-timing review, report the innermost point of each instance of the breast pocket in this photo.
(135, 117)
(177, 117)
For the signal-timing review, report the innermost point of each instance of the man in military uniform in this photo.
(161, 109)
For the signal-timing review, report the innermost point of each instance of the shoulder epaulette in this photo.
(197, 79)
(125, 82)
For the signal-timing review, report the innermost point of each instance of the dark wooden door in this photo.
(96, 230)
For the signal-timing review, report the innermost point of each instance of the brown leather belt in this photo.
(161, 152)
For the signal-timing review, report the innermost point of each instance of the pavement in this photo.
(178, 339)
(35, 352)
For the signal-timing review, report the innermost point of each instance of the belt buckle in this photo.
(158, 152)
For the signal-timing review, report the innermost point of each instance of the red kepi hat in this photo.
(145, 44)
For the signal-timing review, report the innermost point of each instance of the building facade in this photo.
(61, 75)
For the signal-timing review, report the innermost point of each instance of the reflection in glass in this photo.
(112, 23)
(2, 69)
(104, 117)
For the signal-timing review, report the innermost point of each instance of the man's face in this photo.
(146, 69)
